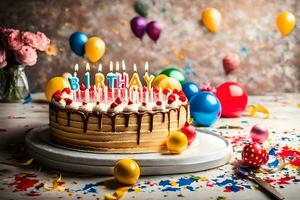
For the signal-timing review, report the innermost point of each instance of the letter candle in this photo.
(135, 80)
(118, 79)
(148, 79)
(87, 82)
(99, 82)
(125, 75)
(111, 79)
(74, 82)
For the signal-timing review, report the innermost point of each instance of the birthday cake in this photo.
(123, 116)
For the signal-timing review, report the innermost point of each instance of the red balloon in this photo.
(233, 99)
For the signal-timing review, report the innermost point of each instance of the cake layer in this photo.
(117, 132)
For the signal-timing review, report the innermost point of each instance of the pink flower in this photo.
(12, 39)
(3, 62)
(38, 40)
(26, 55)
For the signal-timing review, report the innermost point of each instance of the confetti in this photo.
(253, 109)
(22, 164)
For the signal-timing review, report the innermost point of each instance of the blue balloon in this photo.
(77, 42)
(205, 109)
(190, 89)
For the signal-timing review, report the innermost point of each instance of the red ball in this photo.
(233, 99)
(189, 131)
(254, 155)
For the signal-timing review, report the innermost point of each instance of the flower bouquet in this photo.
(17, 50)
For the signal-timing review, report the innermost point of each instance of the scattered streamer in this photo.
(257, 108)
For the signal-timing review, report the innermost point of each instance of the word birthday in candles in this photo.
(118, 83)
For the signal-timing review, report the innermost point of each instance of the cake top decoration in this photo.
(117, 91)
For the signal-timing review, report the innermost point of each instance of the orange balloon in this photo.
(211, 19)
(94, 48)
(285, 22)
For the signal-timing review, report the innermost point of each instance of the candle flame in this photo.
(76, 68)
(87, 67)
(111, 65)
(117, 66)
(146, 66)
(100, 68)
(134, 68)
(123, 65)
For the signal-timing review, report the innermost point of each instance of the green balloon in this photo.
(174, 73)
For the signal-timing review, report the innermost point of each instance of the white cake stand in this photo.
(208, 151)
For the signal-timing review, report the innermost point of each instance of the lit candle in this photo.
(105, 94)
(147, 96)
(99, 77)
(87, 76)
(122, 81)
(126, 95)
(74, 82)
(87, 82)
(135, 80)
(99, 93)
(111, 76)
(148, 79)
(151, 94)
(141, 94)
(130, 93)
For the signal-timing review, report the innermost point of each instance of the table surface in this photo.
(35, 181)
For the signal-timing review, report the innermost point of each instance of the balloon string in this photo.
(253, 109)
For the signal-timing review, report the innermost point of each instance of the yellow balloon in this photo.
(211, 19)
(171, 83)
(55, 84)
(177, 142)
(285, 22)
(127, 171)
(94, 48)
(158, 79)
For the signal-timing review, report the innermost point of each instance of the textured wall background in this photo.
(269, 63)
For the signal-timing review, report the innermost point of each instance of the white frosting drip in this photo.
(100, 108)
(149, 106)
(86, 108)
(73, 106)
(142, 108)
(159, 108)
(117, 109)
(131, 108)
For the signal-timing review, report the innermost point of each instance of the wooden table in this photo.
(36, 181)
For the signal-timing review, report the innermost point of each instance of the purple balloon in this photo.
(138, 26)
(153, 30)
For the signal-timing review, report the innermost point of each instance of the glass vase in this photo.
(13, 83)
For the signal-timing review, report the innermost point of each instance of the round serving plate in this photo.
(208, 151)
